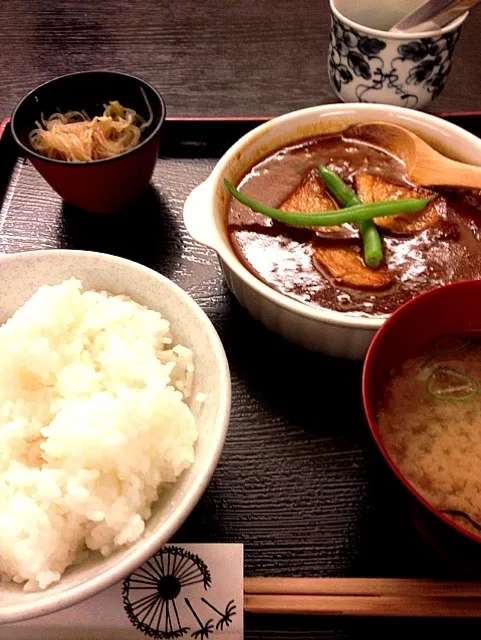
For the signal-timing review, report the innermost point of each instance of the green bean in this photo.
(371, 243)
(339, 189)
(331, 218)
(371, 240)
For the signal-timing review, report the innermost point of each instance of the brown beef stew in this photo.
(324, 267)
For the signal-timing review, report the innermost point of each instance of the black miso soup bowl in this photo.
(101, 185)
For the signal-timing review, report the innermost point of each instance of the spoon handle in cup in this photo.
(433, 14)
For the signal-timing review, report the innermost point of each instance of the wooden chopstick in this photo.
(362, 597)
(361, 587)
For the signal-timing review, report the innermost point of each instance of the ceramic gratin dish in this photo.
(205, 213)
(20, 276)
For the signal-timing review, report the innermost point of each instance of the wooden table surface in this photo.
(208, 57)
(236, 58)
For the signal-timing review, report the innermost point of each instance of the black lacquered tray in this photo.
(300, 482)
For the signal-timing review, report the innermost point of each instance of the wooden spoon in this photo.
(433, 14)
(424, 165)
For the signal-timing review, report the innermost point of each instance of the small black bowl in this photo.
(100, 185)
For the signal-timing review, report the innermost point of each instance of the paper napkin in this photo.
(192, 591)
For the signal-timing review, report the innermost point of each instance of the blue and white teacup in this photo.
(367, 63)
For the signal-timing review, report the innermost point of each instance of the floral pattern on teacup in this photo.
(424, 62)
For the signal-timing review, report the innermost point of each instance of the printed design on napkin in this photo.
(155, 597)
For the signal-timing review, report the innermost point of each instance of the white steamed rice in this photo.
(93, 421)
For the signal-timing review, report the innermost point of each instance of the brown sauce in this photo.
(282, 256)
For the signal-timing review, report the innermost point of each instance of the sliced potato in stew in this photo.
(345, 264)
(311, 196)
(372, 188)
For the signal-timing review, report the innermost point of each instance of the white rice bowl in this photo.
(94, 422)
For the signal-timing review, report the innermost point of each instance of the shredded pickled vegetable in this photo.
(75, 137)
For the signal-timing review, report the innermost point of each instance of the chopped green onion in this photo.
(455, 513)
(448, 344)
(448, 384)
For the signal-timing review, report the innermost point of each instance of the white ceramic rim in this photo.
(394, 35)
(149, 546)
(222, 246)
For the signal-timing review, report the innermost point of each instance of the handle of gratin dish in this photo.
(197, 216)
(3, 125)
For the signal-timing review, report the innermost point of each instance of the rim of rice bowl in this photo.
(70, 590)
